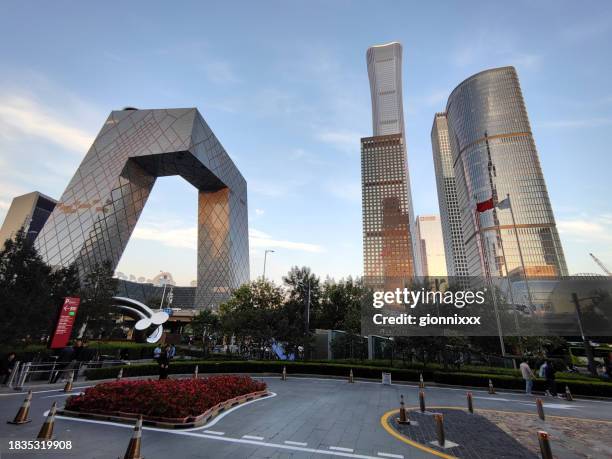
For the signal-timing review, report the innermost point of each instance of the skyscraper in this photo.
(431, 243)
(30, 212)
(494, 155)
(388, 222)
(450, 214)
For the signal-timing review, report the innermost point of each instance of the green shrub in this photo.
(578, 387)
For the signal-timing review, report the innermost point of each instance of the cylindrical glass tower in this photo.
(494, 155)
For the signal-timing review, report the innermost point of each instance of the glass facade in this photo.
(99, 209)
(450, 214)
(30, 212)
(494, 155)
(388, 223)
(387, 246)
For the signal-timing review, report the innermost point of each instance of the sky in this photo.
(284, 87)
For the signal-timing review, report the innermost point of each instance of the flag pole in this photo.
(520, 251)
(485, 256)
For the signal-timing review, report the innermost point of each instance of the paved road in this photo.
(309, 417)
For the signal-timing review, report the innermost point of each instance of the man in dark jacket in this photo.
(549, 374)
(6, 367)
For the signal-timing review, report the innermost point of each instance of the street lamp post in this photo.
(164, 277)
(265, 259)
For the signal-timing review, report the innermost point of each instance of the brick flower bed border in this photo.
(168, 423)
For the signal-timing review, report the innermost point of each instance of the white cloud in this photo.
(169, 234)
(259, 211)
(593, 230)
(172, 234)
(347, 141)
(22, 115)
(259, 239)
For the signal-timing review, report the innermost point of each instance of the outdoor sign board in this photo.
(63, 329)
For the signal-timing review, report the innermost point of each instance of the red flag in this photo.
(485, 205)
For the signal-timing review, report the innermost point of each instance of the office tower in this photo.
(101, 205)
(388, 223)
(494, 156)
(450, 214)
(30, 212)
(431, 242)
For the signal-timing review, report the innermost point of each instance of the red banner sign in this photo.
(63, 329)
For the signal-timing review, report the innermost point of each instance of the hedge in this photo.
(578, 387)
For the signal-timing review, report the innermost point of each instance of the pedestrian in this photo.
(528, 376)
(6, 367)
(171, 352)
(63, 361)
(164, 364)
(549, 374)
(157, 352)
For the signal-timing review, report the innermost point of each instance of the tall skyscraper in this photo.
(388, 221)
(450, 214)
(431, 242)
(30, 212)
(494, 155)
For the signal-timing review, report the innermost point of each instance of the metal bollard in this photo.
(544, 440)
(540, 407)
(422, 400)
(439, 418)
(25, 368)
(470, 403)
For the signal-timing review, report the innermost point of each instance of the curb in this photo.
(169, 423)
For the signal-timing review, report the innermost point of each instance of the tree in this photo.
(25, 292)
(250, 315)
(341, 305)
(95, 316)
(304, 289)
(207, 326)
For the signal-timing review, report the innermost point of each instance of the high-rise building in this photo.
(30, 212)
(450, 214)
(96, 214)
(494, 155)
(388, 222)
(431, 243)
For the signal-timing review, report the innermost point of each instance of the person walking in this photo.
(6, 367)
(549, 374)
(157, 352)
(164, 364)
(528, 376)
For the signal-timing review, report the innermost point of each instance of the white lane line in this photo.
(214, 432)
(495, 398)
(394, 456)
(228, 439)
(62, 395)
(41, 391)
(252, 437)
(210, 424)
(340, 448)
(296, 443)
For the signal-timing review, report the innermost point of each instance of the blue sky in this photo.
(284, 86)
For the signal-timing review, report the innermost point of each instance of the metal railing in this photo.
(52, 372)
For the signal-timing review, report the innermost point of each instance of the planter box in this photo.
(166, 423)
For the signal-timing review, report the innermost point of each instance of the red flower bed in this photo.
(169, 398)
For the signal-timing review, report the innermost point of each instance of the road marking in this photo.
(495, 398)
(556, 406)
(394, 456)
(384, 421)
(214, 432)
(296, 443)
(41, 391)
(340, 448)
(62, 395)
(252, 437)
(210, 424)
